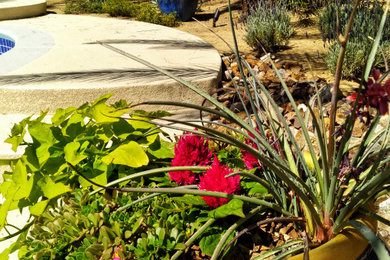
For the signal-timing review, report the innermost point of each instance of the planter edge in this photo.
(349, 244)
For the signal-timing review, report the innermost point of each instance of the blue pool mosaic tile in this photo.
(6, 45)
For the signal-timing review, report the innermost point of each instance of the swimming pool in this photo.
(6, 43)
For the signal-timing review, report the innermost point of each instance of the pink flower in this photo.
(116, 254)
(190, 150)
(214, 180)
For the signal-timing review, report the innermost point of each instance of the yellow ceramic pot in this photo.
(349, 244)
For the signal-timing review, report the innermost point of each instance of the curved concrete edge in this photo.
(22, 9)
(349, 244)
(63, 98)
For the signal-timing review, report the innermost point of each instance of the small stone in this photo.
(234, 68)
(262, 66)
(284, 74)
(266, 58)
(251, 61)
(226, 61)
(228, 75)
(359, 129)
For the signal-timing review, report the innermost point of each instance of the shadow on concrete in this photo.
(105, 75)
(162, 44)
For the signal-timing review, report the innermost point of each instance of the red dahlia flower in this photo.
(214, 180)
(190, 150)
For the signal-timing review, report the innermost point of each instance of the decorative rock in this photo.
(263, 66)
(228, 75)
(251, 61)
(284, 74)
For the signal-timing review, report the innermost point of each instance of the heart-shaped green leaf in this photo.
(130, 154)
(234, 207)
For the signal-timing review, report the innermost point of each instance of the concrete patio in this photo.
(57, 62)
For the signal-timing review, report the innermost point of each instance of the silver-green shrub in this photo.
(355, 57)
(363, 30)
(269, 27)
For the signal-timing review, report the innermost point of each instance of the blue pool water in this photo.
(6, 43)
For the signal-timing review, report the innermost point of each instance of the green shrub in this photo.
(355, 57)
(268, 27)
(83, 6)
(91, 227)
(303, 4)
(145, 12)
(120, 8)
(365, 26)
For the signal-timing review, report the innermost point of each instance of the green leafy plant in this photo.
(144, 11)
(91, 226)
(306, 5)
(83, 6)
(268, 27)
(109, 148)
(334, 18)
(355, 57)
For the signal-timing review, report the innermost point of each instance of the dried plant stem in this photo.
(343, 39)
(216, 34)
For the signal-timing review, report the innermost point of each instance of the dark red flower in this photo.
(376, 74)
(251, 161)
(190, 150)
(214, 180)
(373, 95)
